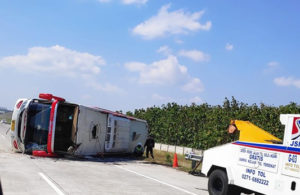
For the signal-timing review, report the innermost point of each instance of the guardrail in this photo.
(178, 149)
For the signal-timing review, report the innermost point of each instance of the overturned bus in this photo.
(49, 126)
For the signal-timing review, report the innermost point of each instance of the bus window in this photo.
(37, 126)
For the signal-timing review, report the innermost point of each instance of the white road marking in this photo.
(170, 185)
(2, 136)
(52, 184)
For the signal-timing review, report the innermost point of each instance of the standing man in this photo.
(150, 145)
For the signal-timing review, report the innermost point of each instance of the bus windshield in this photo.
(38, 118)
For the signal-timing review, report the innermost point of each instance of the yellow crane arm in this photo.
(251, 133)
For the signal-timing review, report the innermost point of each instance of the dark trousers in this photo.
(149, 149)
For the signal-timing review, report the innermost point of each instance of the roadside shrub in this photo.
(168, 159)
(204, 126)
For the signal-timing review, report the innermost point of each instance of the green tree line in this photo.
(204, 126)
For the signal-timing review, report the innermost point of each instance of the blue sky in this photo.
(127, 54)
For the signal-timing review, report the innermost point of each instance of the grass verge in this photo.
(166, 158)
(6, 116)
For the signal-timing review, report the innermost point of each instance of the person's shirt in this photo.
(150, 142)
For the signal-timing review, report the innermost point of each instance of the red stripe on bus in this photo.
(52, 113)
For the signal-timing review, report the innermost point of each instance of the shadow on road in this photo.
(104, 159)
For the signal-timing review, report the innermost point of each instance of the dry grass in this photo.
(166, 158)
(6, 116)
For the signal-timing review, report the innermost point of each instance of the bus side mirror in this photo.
(46, 96)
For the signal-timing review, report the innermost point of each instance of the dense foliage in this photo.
(204, 126)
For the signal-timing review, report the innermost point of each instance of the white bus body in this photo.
(50, 126)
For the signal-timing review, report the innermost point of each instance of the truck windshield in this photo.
(37, 126)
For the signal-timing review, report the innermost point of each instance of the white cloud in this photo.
(167, 71)
(175, 22)
(136, 66)
(196, 100)
(54, 60)
(271, 67)
(228, 47)
(287, 81)
(62, 62)
(195, 55)
(273, 64)
(134, 1)
(164, 50)
(193, 86)
(179, 41)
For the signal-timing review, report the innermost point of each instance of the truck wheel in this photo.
(218, 183)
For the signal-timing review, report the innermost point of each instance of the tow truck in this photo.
(258, 162)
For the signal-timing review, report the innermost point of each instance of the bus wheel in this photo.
(218, 183)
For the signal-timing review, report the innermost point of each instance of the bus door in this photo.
(109, 133)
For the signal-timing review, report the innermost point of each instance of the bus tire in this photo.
(218, 183)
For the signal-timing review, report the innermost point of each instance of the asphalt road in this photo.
(25, 174)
